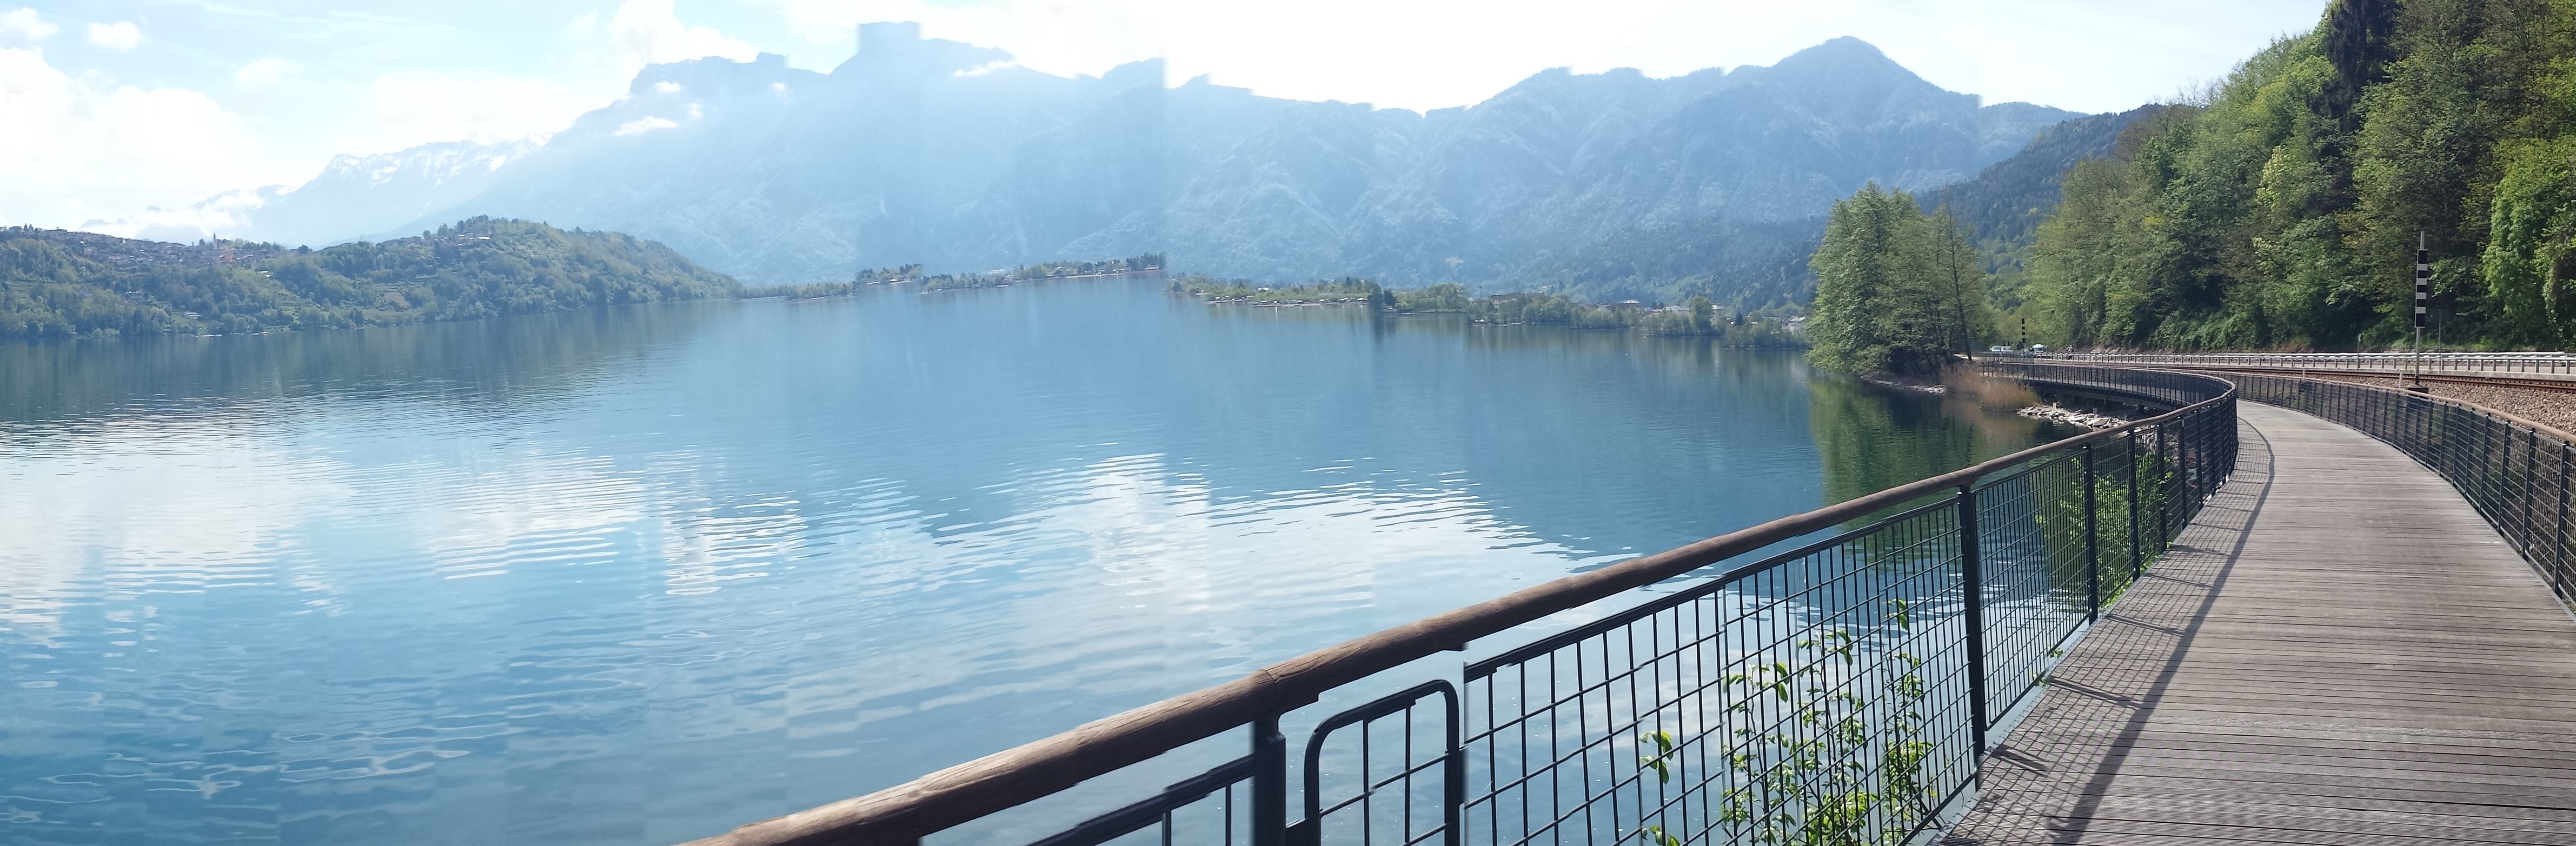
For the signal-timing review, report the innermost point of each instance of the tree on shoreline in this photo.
(1897, 290)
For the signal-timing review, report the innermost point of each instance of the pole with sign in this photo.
(2423, 294)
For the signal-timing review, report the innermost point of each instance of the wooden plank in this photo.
(2338, 650)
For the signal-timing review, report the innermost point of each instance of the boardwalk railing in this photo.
(2514, 471)
(2549, 364)
(1840, 691)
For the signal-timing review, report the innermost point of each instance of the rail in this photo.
(2514, 471)
(2519, 364)
(1838, 692)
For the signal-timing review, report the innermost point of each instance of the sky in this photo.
(110, 108)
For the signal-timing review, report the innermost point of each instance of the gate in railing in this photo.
(2515, 472)
(1838, 692)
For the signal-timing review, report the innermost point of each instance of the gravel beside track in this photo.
(2541, 405)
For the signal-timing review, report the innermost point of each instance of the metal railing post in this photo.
(2137, 554)
(1453, 794)
(2561, 571)
(2530, 485)
(2166, 490)
(1269, 783)
(1972, 584)
(2092, 544)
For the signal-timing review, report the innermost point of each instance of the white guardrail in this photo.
(2541, 365)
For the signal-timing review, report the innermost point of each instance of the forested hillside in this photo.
(2003, 207)
(2007, 201)
(55, 283)
(2282, 207)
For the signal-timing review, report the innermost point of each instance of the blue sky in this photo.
(109, 107)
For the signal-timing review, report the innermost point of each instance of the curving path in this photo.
(2337, 651)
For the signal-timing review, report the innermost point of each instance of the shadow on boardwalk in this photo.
(2338, 650)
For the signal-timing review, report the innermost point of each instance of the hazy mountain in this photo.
(374, 193)
(353, 196)
(930, 151)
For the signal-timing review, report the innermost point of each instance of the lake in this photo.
(637, 575)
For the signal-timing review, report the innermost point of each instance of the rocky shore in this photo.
(2071, 417)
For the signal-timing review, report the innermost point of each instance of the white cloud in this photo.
(262, 72)
(197, 149)
(648, 124)
(24, 24)
(227, 213)
(649, 32)
(80, 151)
(121, 35)
(403, 110)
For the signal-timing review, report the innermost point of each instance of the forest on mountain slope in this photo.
(57, 284)
(2281, 208)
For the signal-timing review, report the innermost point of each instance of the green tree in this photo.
(1959, 281)
(2529, 260)
(1897, 291)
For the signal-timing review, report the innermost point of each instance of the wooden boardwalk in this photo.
(2338, 651)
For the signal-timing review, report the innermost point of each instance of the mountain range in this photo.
(946, 154)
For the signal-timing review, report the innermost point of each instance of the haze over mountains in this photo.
(945, 154)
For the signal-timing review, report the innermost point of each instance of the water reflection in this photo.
(635, 576)
(484, 360)
(1874, 437)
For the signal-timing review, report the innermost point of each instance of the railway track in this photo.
(2560, 385)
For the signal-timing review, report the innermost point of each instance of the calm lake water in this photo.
(635, 576)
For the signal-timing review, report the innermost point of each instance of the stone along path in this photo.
(2337, 651)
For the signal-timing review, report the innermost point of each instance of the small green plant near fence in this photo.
(2063, 520)
(1816, 769)
(1825, 761)
(2155, 483)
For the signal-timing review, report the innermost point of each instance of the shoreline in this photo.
(2055, 413)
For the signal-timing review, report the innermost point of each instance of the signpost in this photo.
(2423, 293)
